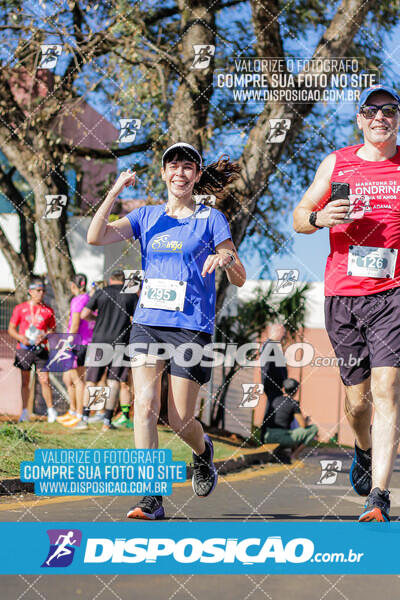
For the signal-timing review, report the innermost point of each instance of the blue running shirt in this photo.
(176, 249)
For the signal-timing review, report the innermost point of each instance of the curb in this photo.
(241, 459)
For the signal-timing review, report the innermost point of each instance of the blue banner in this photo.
(77, 472)
(210, 548)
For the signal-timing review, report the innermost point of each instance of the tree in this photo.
(135, 59)
(247, 326)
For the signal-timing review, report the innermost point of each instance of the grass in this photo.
(18, 442)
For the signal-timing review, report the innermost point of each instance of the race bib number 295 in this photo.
(166, 294)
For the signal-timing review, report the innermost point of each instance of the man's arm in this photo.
(12, 332)
(332, 214)
(87, 314)
(300, 419)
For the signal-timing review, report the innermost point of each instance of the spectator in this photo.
(34, 320)
(113, 324)
(272, 374)
(74, 378)
(280, 416)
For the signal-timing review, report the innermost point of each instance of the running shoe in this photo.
(72, 421)
(123, 421)
(205, 474)
(377, 507)
(97, 418)
(24, 416)
(108, 427)
(51, 415)
(360, 471)
(149, 508)
(81, 426)
(65, 417)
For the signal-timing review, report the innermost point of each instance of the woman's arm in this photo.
(75, 322)
(101, 232)
(235, 271)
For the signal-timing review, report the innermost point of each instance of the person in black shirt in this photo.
(272, 374)
(282, 411)
(113, 324)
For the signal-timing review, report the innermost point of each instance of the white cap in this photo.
(183, 145)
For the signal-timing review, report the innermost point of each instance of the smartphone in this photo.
(339, 190)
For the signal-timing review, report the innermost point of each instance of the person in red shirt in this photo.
(30, 324)
(362, 286)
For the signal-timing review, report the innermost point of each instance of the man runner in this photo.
(362, 280)
(34, 320)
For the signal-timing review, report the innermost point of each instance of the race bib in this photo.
(166, 294)
(367, 261)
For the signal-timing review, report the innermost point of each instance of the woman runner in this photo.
(74, 379)
(182, 244)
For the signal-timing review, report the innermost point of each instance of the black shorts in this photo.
(80, 356)
(364, 332)
(26, 357)
(116, 373)
(182, 361)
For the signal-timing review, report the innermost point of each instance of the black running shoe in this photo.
(205, 474)
(149, 508)
(377, 507)
(360, 472)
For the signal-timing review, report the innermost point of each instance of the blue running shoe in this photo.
(360, 471)
(377, 507)
(205, 474)
(149, 508)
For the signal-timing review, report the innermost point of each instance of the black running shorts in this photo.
(364, 332)
(26, 357)
(182, 349)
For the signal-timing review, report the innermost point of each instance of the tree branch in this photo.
(260, 158)
(113, 152)
(266, 27)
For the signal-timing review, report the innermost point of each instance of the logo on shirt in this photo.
(347, 171)
(163, 243)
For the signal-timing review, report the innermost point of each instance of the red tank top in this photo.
(369, 269)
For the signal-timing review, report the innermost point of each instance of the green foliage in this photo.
(251, 320)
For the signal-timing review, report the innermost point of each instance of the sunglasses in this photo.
(371, 110)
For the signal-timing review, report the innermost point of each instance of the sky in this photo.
(309, 252)
(306, 253)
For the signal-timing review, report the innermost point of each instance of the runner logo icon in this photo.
(98, 396)
(54, 206)
(62, 547)
(128, 129)
(286, 278)
(329, 471)
(203, 54)
(251, 394)
(278, 130)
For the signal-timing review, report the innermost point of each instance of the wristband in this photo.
(233, 261)
(312, 218)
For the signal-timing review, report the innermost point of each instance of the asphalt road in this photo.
(270, 493)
